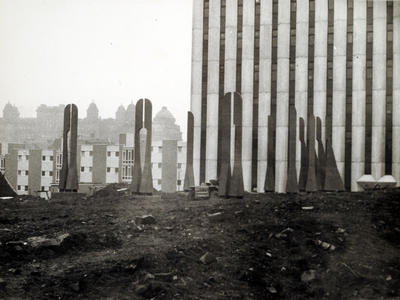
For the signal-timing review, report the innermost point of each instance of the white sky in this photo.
(111, 52)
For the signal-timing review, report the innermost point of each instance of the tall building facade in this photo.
(337, 59)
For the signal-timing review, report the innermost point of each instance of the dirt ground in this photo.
(269, 246)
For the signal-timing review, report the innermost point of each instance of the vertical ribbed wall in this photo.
(340, 49)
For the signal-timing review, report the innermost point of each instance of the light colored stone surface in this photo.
(378, 89)
(195, 103)
(247, 90)
(264, 97)
(282, 101)
(396, 93)
(339, 84)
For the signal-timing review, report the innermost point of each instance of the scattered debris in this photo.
(145, 220)
(272, 290)
(307, 208)
(308, 275)
(208, 258)
(43, 241)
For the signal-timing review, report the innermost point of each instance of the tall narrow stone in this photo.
(69, 171)
(189, 173)
(247, 89)
(378, 89)
(359, 93)
(311, 185)
(321, 164)
(264, 97)
(304, 156)
(396, 93)
(225, 129)
(236, 186)
(213, 89)
(282, 96)
(137, 166)
(269, 185)
(146, 184)
(339, 83)
(333, 181)
(292, 186)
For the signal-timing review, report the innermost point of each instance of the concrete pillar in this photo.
(320, 61)
(213, 89)
(230, 59)
(359, 93)
(247, 90)
(302, 14)
(378, 90)
(396, 93)
(264, 98)
(339, 83)
(282, 96)
(195, 101)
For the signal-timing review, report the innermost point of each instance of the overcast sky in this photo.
(111, 52)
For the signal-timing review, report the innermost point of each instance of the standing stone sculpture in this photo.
(303, 156)
(142, 180)
(333, 181)
(269, 185)
(291, 184)
(69, 171)
(236, 187)
(311, 185)
(321, 156)
(225, 129)
(189, 173)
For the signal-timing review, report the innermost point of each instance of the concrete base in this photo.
(367, 182)
(386, 182)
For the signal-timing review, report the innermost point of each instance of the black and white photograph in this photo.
(200, 149)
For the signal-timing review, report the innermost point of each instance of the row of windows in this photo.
(109, 153)
(22, 188)
(44, 157)
(49, 173)
(23, 173)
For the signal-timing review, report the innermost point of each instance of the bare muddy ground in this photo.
(306, 246)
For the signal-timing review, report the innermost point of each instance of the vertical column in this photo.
(302, 16)
(378, 90)
(197, 61)
(213, 90)
(396, 93)
(320, 61)
(282, 96)
(230, 57)
(339, 83)
(247, 90)
(264, 100)
(359, 94)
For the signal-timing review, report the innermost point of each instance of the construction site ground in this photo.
(266, 246)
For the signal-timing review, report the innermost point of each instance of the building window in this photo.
(19, 188)
(42, 188)
(179, 165)
(179, 182)
(82, 169)
(26, 173)
(116, 170)
(43, 158)
(19, 172)
(26, 188)
(43, 173)
(159, 165)
(108, 153)
(19, 157)
(51, 157)
(51, 173)
(117, 153)
(108, 170)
